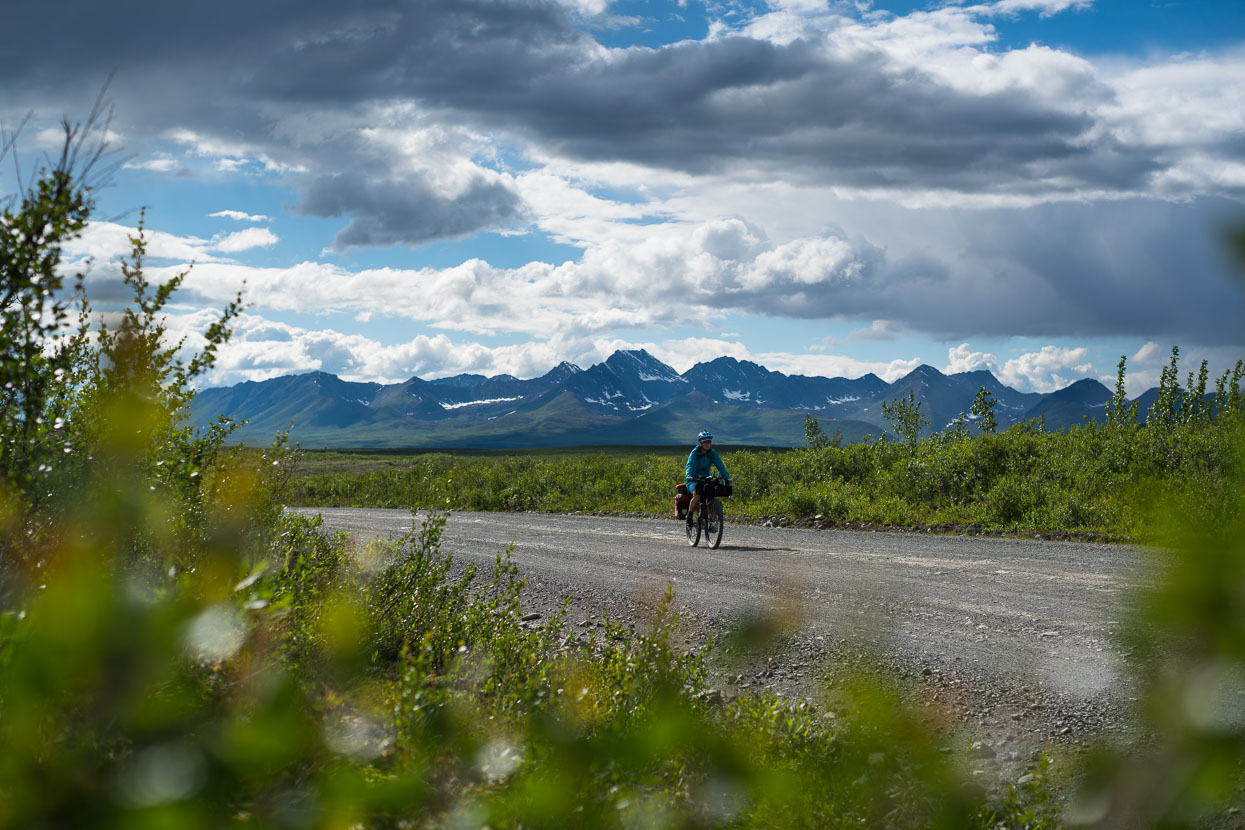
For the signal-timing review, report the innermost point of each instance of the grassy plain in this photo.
(1099, 480)
(320, 462)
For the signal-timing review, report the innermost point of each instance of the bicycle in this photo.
(710, 519)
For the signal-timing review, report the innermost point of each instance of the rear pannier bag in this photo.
(682, 499)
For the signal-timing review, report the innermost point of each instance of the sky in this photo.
(431, 187)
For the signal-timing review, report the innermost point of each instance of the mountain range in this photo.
(631, 398)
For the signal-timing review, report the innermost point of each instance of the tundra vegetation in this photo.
(1098, 479)
(177, 652)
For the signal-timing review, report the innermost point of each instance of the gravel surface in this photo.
(1009, 644)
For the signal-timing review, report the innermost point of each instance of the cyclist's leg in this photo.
(695, 503)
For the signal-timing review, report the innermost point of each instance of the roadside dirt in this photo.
(1009, 647)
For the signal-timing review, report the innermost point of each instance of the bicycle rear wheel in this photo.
(693, 530)
(713, 527)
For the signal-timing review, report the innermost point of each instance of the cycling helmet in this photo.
(703, 436)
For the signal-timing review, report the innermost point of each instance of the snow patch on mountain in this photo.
(477, 403)
(606, 399)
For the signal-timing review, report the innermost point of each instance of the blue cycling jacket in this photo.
(699, 464)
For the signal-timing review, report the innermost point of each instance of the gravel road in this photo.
(1010, 644)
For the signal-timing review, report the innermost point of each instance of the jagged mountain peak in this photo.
(560, 373)
(727, 360)
(732, 366)
(981, 377)
(323, 380)
(463, 380)
(1087, 398)
(924, 371)
(319, 376)
(637, 355)
(643, 365)
(1085, 390)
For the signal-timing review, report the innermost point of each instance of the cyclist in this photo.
(700, 462)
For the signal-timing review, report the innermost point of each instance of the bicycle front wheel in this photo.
(713, 528)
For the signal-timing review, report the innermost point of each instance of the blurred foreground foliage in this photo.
(1101, 479)
(176, 652)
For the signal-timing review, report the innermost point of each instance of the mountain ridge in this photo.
(630, 398)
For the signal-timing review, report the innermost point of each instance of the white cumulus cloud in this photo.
(160, 163)
(1050, 368)
(1148, 354)
(962, 358)
(246, 240)
(239, 216)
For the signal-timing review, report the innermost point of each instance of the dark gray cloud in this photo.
(392, 211)
(1136, 267)
(793, 109)
(234, 57)
(261, 76)
(790, 110)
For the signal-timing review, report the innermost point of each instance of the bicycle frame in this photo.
(709, 517)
